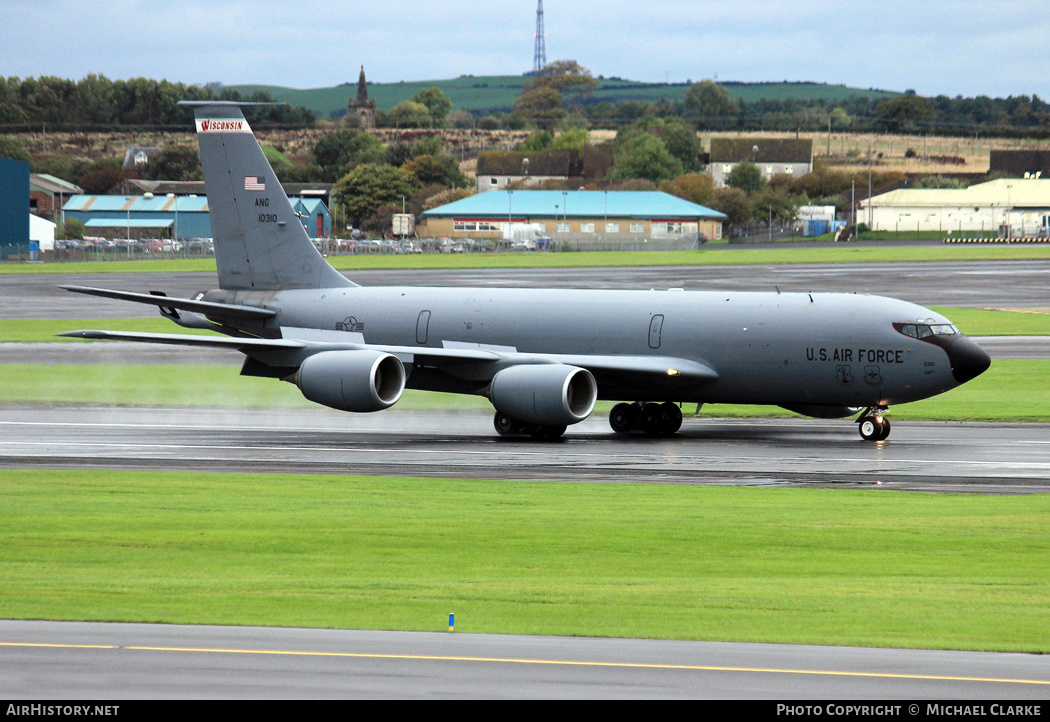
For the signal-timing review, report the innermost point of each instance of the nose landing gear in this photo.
(873, 426)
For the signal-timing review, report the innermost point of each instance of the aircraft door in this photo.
(422, 326)
(656, 326)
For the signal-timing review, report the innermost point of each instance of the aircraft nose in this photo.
(968, 360)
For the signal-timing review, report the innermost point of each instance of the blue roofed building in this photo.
(577, 219)
(170, 215)
(146, 216)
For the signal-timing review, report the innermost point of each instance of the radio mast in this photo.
(539, 57)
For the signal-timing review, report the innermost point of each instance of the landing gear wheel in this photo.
(868, 430)
(505, 425)
(670, 419)
(874, 428)
(547, 432)
(885, 430)
(650, 420)
(623, 418)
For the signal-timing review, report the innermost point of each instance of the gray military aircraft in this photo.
(542, 357)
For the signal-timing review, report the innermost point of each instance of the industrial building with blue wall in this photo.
(14, 208)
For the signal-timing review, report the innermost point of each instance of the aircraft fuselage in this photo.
(767, 348)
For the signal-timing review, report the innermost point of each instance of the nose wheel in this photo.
(873, 426)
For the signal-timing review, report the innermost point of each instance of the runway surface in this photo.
(82, 661)
(978, 284)
(919, 456)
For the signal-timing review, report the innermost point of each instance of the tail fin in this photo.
(260, 243)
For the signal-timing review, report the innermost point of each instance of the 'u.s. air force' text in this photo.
(860, 355)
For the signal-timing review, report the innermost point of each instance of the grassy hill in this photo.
(498, 92)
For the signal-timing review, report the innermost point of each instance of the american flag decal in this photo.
(254, 183)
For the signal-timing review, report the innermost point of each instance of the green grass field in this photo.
(720, 255)
(487, 92)
(869, 568)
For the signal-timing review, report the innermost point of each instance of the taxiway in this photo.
(141, 661)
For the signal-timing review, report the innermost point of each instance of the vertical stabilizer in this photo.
(260, 242)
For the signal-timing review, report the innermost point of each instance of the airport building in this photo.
(171, 216)
(1007, 208)
(587, 217)
(47, 195)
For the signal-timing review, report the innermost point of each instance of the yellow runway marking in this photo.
(58, 646)
(555, 662)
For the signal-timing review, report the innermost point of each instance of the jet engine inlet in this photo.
(545, 394)
(352, 380)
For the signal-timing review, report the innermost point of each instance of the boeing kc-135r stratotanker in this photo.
(542, 357)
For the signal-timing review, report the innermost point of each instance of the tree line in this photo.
(561, 95)
(96, 101)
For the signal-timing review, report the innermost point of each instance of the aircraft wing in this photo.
(246, 345)
(305, 342)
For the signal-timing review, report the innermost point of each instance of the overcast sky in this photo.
(951, 47)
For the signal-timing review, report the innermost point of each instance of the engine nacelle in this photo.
(545, 394)
(352, 380)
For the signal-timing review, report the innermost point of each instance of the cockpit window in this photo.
(925, 330)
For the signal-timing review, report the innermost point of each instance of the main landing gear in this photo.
(650, 418)
(873, 426)
(506, 426)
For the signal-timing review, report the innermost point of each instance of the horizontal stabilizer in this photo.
(226, 310)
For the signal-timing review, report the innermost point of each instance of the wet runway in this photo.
(79, 661)
(979, 284)
(919, 456)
